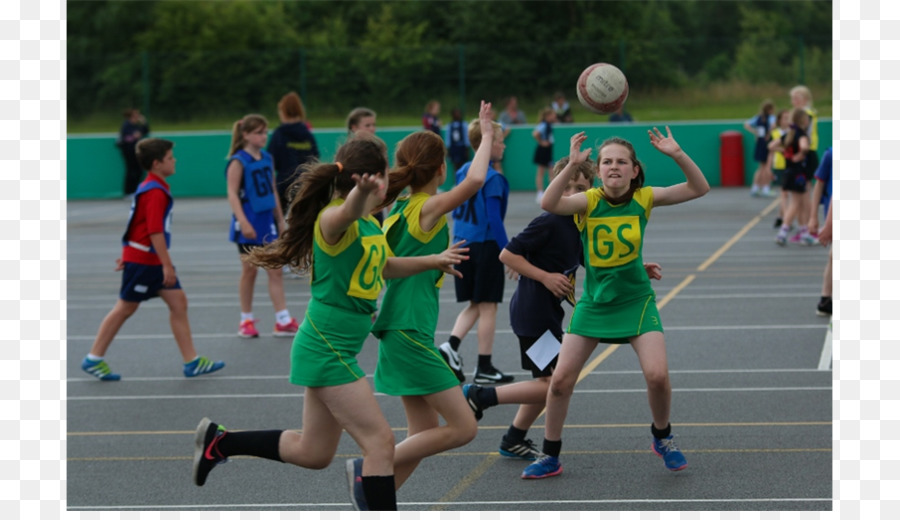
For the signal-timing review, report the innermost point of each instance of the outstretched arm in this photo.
(553, 200)
(696, 185)
(444, 203)
(402, 266)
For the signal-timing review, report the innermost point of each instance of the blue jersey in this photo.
(167, 232)
(458, 142)
(257, 198)
(470, 220)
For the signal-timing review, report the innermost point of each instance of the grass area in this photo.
(718, 101)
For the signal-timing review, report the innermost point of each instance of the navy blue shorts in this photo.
(141, 282)
(483, 275)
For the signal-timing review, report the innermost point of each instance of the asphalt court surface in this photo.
(748, 357)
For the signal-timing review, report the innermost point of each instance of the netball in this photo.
(602, 88)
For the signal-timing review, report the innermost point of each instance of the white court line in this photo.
(299, 394)
(512, 504)
(825, 359)
(437, 333)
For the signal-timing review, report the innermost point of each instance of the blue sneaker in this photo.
(666, 449)
(354, 480)
(544, 467)
(469, 393)
(201, 366)
(99, 369)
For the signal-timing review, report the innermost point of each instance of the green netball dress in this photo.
(346, 279)
(617, 302)
(408, 361)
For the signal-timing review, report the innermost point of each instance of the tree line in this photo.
(194, 58)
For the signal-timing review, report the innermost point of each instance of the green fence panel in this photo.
(95, 169)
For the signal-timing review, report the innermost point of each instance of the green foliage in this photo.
(187, 60)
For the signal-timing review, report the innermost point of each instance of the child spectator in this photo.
(291, 144)
(256, 220)
(147, 269)
(562, 108)
(457, 140)
(543, 152)
(431, 118)
(760, 126)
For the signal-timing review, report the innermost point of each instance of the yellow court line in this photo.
(610, 350)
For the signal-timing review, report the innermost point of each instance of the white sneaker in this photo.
(453, 359)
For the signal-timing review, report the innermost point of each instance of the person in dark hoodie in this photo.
(291, 145)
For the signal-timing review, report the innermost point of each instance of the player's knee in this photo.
(657, 380)
(562, 386)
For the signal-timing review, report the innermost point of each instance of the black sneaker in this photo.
(824, 307)
(491, 375)
(470, 392)
(778, 222)
(524, 449)
(453, 359)
(206, 451)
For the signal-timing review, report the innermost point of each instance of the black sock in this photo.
(824, 299)
(380, 493)
(515, 435)
(484, 362)
(258, 443)
(486, 396)
(454, 342)
(661, 434)
(552, 448)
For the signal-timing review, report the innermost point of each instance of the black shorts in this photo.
(483, 276)
(525, 342)
(141, 282)
(543, 156)
(794, 180)
(245, 249)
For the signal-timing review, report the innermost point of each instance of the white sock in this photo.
(246, 316)
(283, 317)
(94, 358)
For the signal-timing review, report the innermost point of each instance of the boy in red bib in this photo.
(146, 266)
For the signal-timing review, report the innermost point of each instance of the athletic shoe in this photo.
(247, 329)
(524, 449)
(491, 375)
(544, 467)
(808, 240)
(354, 480)
(778, 222)
(99, 369)
(206, 449)
(781, 239)
(824, 307)
(453, 359)
(470, 393)
(667, 450)
(286, 331)
(201, 366)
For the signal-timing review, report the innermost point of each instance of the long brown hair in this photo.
(313, 189)
(636, 182)
(248, 123)
(292, 106)
(417, 161)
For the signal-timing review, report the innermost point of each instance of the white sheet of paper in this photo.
(544, 350)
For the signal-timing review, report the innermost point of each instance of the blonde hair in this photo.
(247, 124)
(804, 91)
(475, 132)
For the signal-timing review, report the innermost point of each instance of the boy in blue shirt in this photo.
(479, 221)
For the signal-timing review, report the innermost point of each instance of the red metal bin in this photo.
(731, 158)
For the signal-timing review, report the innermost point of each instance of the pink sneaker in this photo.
(288, 330)
(247, 329)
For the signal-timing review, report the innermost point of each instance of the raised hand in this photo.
(371, 184)
(665, 144)
(576, 154)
